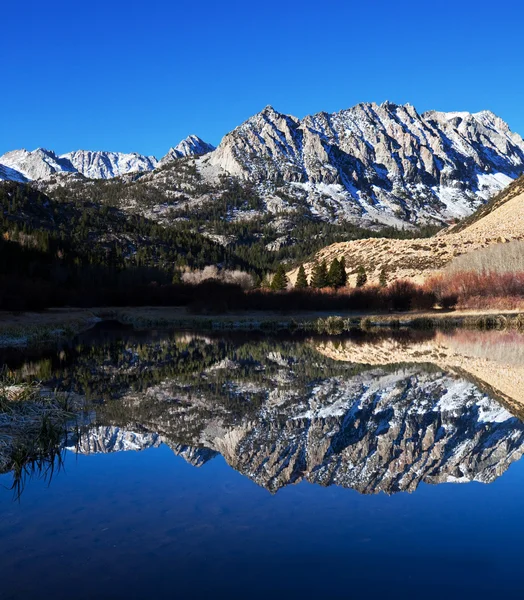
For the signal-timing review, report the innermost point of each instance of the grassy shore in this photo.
(49, 327)
(41, 328)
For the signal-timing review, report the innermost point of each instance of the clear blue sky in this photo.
(140, 76)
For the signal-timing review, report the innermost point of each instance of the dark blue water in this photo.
(144, 524)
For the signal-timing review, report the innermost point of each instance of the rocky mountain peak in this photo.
(190, 146)
(386, 163)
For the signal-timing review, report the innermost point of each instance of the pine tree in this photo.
(265, 283)
(334, 274)
(280, 280)
(361, 276)
(257, 281)
(319, 277)
(301, 282)
(343, 272)
(383, 278)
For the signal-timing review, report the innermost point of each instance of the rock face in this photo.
(191, 146)
(388, 434)
(105, 165)
(387, 161)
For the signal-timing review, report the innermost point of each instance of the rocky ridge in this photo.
(385, 163)
(370, 164)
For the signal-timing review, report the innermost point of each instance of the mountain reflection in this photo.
(379, 414)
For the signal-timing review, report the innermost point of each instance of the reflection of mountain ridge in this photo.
(373, 431)
(493, 360)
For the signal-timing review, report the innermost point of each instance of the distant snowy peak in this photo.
(38, 164)
(191, 146)
(23, 166)
(105, 165)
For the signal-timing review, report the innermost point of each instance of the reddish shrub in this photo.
(399, 295)
(469, 289)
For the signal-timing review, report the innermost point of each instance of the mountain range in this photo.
(370, 164)
(24, 166)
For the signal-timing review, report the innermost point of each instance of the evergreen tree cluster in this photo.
(322, 277)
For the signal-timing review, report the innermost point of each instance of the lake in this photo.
(385, 464)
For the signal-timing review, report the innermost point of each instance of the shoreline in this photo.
(20, 330)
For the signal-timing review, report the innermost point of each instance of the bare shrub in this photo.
(237, 277)
(481, 290)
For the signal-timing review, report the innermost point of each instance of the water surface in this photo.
(284, 466)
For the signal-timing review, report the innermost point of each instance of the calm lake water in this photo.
(210, 466)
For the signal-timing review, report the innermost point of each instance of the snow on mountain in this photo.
(38, 164)
(8, 174)
(377, 163)
(105, 165)
(379, 431)
(386, 162)
(191, 146)
(107, 438)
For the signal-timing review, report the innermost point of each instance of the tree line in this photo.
(336, 276)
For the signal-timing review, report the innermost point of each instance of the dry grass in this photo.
(33, 424)
(499, 258)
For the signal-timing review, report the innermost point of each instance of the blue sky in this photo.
(132, 76)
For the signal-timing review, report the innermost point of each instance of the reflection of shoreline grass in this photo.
(33, 423)
(50, 327)
(316, 322)
(40, 329)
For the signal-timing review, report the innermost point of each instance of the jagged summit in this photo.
(385, 162)
(105, 165)
(191, 146)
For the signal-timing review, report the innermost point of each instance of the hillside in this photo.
(499, 221)
(503, 216)
(279, 189)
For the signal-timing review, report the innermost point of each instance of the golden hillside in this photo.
(501, 220)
